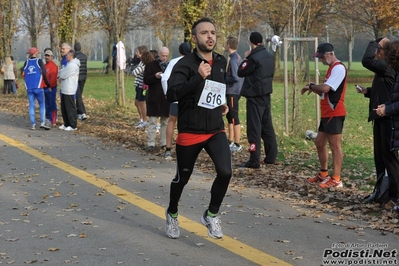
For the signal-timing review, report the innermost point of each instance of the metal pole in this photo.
(286, 86)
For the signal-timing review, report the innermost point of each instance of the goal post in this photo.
(286, 42)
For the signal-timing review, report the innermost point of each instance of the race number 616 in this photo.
(214, 98)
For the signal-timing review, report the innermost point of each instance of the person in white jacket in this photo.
(68, 77)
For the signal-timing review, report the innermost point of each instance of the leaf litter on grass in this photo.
(286, 179)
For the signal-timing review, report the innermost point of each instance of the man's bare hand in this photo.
(225, 109)
(204, 70)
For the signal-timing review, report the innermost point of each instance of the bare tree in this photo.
(32, 18)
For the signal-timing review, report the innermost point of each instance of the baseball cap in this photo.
(33, 50)
(48, 52)
(322, 49)
(256, 38)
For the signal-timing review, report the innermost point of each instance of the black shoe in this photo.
(250, 164)
(150, 148)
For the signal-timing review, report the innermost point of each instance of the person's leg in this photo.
(229, 117)
(322, 152)
(79, 101)
(269, 136)
(186, 157)
(378, 145)
(173, 112)
(218, 149)
(47, 103)
(64, 111)
(53, 105)
(31, 99)
(143, 106)
(70, 108)
(390, 158)
(162, 131)
(335, 141)
(254, 112)
(39, 94)
(152, 131)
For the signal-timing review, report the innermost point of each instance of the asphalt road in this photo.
(66, 199)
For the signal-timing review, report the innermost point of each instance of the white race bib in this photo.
(213, 95)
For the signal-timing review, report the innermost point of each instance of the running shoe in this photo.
(235, 148)
(213, 225)
(317, 179)
(168, 155)
(172, 226)
(62, 127)
(329, 182)
(45, 126)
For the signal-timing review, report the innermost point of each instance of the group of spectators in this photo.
(41, 80)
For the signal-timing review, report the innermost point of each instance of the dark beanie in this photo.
(77, 46)
(185, 48)
(256, 38)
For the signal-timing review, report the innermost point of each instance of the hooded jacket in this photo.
(83, 61)
(381, 89)
(69, 77)
(185, 86)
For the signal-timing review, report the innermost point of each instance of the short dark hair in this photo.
(232, 42)
(193, 28)
(72, 52)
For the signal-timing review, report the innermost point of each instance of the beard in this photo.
(203, 47)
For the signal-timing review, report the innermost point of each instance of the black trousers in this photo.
(260, 126)
(68, 110)
(218, 149)
(79, 101)
(384, 158)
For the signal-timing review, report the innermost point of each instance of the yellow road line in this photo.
(235, 246)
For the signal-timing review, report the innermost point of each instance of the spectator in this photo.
(157, 105)
(145, 57)
(391, 108)
(50, 93)
(258, 70)
(233, 88)
(69, 76)
(380, 92)
(9, 73)
(34, 74)
(333, 113)
(184, 49)
(80, 107)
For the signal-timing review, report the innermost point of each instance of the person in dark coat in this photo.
(157, 105)
(380, 92)
(81, 82)
(391, 108)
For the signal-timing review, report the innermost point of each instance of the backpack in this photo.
(381, 190)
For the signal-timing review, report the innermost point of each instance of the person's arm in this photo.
(370, 62)
(233, 77)
(246, 68)
(138, 70)
(165, 77)
(43, 70)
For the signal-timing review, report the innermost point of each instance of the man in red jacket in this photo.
(50, 93)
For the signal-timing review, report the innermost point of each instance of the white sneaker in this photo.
(33, 127)
(235, 148)
(45, 126)
(70, 128)
(62, 127)
(213, 225)
(84, 117)
(141, 125)
(172, 226)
